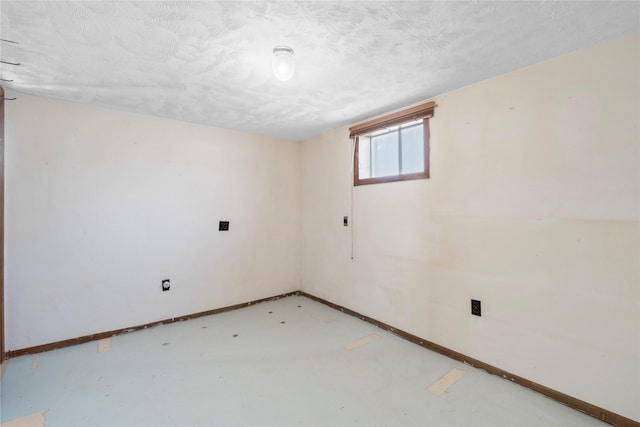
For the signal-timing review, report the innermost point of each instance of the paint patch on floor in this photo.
(3, 367)
(104, 345)
(446, 381)
(33, 420)
(362, 341)
(216, 378)
(36, 360)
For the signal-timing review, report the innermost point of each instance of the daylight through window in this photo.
(394, 147)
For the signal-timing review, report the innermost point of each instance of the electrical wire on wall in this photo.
(351, 187)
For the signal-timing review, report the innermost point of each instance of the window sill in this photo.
(393, 178)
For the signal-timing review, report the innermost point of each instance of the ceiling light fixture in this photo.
(283, 65)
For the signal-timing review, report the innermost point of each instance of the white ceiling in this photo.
(210, 62)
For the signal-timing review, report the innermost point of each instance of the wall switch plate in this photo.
(166, 285)
(476, 308)
(345, 221)
(223, 226)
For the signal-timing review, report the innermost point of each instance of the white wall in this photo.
(102, 205)
(533, 207)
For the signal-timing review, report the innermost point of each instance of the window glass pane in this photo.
(364, 158)
(384, 155)
(385, 130)
(413, 123)
(412, 149)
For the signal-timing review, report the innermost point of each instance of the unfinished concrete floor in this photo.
(280, 363)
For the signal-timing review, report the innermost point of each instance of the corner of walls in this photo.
(298, 216)
(326, 199)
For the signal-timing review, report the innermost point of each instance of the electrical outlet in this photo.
(166, 285)
(223, 226)
(476, 308)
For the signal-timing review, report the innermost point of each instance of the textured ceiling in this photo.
(210, 62)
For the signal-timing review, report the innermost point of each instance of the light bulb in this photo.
(283, 65)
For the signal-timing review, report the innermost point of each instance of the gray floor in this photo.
(287, 366)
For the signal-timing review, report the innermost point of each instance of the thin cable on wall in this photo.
(351, 186)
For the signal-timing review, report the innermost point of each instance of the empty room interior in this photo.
(320, 213)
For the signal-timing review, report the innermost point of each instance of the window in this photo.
(394, 147)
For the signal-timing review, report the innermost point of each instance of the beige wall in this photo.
(533, 207)
(102, 205)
